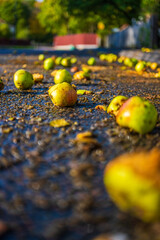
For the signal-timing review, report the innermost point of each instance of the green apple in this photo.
(154, 65)
(86, 69)
(115, 105)
(140, 66)
(134, 60)
(1, 84)
(91, 61)
(73, 60)
(49, 64)
(58, 60)
(80, 75)
(66, 62)
(63, 95)
(128, 62)
(41, 57)
(133, 183)
(23, 80)
(102, 57)
(62, 75)
(121, 59)
(137, 114)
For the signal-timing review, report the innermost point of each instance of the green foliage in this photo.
(54, 16)
(125, 10)
(13, 10)
(4, 30)
(150, 6)
(70, 16)
(23, 34)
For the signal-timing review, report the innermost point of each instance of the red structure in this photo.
(80, 41)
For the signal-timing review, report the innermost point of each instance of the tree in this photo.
(54, 16)
(151, 8)
(4, 30)
(13, 11)
(125, 10)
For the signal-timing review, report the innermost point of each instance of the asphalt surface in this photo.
(51, 187)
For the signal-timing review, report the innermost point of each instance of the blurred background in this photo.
(106, 23)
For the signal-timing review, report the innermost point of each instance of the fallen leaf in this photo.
(86, 137)
(11, 118)
(37, 77)
(7, 130)
(59, 123)
(101, 107)
(53, 73)
(82, 92)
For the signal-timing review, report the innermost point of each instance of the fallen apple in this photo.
(49, 64)
(63, 95)
(139, 66)
(66, 62)
(23, 80)
(137, 114)
(62, 75)
(91, 61)
(41, 57)
(58, 60)
(73, 60)
(128, 62)
(154, 65)
(80, 75)
(133, 182)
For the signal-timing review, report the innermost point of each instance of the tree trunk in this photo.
(154, 31)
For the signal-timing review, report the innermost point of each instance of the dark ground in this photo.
(51, 188)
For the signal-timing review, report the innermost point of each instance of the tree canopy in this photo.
(70, 16)
(34, 19)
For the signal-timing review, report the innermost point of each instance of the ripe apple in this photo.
(49, 64)
(41, 57)
(73, 60)
(139, 66)
(115, 105)
(63, 95)
(133, 182)
(102, 57)
(23, 80)
(62, 75)
(91, 61)
(66, 62)
(128, 62)
(134, 60)
(137, 114)
(154, 65)
(58, 60)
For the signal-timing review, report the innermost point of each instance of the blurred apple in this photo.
(58, 60)
(154, 65)
(139, 66)
(66, 62)
(62, 75)
(91, 61)
(41, 57)
(133, 182)
(49, 64)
